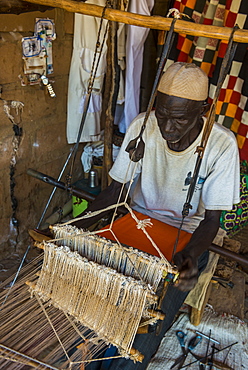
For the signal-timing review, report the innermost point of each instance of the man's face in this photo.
(177, 117)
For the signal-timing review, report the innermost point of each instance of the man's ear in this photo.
(205, 108)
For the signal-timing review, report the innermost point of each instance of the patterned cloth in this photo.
(234, 220)
(207, 53)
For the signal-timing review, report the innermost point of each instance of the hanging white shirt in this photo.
(85, 37)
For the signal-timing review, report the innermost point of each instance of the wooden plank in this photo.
(195, 314)
(154, 22)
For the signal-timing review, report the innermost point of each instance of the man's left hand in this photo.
(188, 269)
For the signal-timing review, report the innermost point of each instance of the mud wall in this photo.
(33, 135)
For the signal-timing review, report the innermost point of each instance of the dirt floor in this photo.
(232, 297)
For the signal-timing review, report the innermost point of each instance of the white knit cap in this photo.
(185, 80)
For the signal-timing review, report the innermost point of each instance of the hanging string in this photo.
(22, 358)
(122, 190)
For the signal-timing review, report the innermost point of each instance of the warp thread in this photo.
(100, 298)
(125, 260)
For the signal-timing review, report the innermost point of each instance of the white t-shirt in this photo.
(162, 177)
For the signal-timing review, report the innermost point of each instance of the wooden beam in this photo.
(154, 22)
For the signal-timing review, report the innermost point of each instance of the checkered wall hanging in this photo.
(207, 53)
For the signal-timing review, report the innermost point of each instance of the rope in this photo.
(74, 327)
(141, 224)
(143, 228)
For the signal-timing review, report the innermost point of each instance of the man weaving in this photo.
(162, 179)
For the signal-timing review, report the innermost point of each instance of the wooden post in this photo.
(110, 98)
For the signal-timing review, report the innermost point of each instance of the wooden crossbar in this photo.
(153, 22)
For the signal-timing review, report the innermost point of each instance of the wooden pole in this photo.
(153, 22)
(110, 98)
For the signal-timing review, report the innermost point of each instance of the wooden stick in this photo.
(39, 245)
(135, 352)
(30, 284)
(153, 22)
(156, 314)
(109, 100)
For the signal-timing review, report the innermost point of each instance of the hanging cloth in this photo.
(207, 53)
(82, 58)
(85, 37)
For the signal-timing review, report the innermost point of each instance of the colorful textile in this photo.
(207, 53)
(234, 220)
(164, 236)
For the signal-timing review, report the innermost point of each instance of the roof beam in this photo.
(153, 22)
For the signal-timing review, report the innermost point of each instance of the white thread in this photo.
(144, 223)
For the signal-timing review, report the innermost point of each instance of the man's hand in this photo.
(188, 269)
(187, 260)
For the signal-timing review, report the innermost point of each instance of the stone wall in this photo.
(34, 137)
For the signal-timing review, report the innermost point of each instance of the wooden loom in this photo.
(88, 293)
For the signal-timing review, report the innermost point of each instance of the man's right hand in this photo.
(188, 270)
